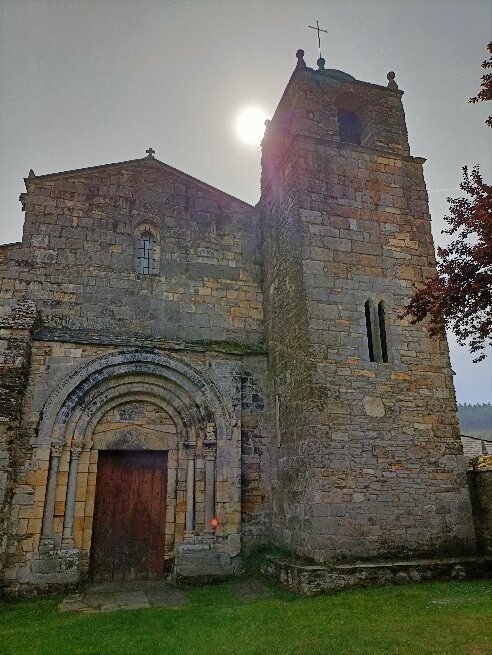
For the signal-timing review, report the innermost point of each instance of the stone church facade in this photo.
(185, 377)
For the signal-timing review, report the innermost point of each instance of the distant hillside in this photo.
(476, 420)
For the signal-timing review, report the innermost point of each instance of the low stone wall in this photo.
(203, 560)
(480, 483)
(52, 570)
(313, 580)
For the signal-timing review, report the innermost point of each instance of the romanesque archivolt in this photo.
(133, 401)
(79, 398)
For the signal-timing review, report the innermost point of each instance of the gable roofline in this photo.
(136, 162)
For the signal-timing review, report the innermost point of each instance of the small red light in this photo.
(214, 523)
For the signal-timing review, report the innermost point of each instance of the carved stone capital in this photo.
(190, 449)
(76, 448)
(211, 432)
(56, 449)
(209, 449)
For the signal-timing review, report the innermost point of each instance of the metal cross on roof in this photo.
(318, 29)
(150, 152)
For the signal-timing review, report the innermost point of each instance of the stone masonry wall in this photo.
(78, 264)
(286, 326)
(378, 470)
(78, 259)
(256, 436)
(133, 424)
(480, 481)
(16, 329)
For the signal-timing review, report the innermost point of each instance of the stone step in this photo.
(310, 580)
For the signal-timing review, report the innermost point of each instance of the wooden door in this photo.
(128, 532)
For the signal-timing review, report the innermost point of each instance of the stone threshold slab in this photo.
(108, 599)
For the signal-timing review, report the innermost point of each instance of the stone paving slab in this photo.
(132, 595)
(107, 597)
(132, 600)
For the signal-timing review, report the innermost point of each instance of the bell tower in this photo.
(367, 458)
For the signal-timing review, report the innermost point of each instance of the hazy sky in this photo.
(87, 82)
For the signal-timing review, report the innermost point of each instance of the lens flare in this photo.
(251, 125)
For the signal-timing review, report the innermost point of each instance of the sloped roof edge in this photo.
(135, 162)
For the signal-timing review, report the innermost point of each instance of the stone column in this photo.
(190, 491)
(76, 449)
(49, 503)
(210, 448)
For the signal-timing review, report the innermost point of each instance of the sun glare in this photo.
(251, 125)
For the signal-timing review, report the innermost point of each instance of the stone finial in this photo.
(267, 122)
(150, 152)
(31, 173)
(321, 64)
(391, 80)
(300, 59)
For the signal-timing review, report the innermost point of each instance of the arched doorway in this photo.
(132, 500)
(132, 475)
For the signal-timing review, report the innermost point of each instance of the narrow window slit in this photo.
(382, 332)
(367, 308)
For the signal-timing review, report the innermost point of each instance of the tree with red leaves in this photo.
(459, 296)
(486, 92)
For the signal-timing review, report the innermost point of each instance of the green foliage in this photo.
(428, 619)
(251, 563)
(475, 418)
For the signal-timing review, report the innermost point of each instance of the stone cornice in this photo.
(71, 336)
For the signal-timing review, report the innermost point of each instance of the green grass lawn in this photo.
(452, 618)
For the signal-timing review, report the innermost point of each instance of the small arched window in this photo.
(145, 253)
(348, 126)
(147, 250)
(376, 332)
